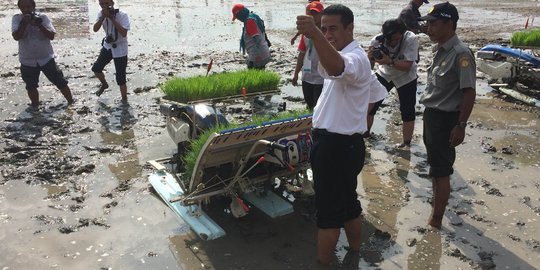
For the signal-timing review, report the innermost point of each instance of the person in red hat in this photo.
(410, 14)
(308, 12)
(253, 39)
(308, 61)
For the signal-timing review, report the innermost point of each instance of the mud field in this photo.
(73, 185)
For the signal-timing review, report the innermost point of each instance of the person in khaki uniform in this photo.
(448, 100)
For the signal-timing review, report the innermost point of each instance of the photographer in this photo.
(34, 33)
(396, 52)
(115, 23)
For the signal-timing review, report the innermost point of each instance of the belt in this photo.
(319, 132)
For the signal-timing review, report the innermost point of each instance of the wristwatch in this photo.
(462, 124)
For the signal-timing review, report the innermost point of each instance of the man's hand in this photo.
(27, 19)
(384, 60)
(106, 14)
(306, 26)
(294, 80)
(457, 135)
(370, 52)
(293, 39)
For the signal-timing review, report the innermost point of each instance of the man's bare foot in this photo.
(435, 222)
(101, 89)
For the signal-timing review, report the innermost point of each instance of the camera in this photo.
(36, 18)
(112, 10)
(110, 39)
(378, 47)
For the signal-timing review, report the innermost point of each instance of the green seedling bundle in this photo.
(220, 85)
(530, 38)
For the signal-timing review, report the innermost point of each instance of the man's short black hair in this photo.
(33, 3)
(346, 13)
(393, 26)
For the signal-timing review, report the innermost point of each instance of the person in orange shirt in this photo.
(253, 39)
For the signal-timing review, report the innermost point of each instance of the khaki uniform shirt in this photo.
(452, 70)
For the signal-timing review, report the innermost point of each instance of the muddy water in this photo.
(74, 193)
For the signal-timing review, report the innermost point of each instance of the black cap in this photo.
(393, 26)
(426, 1)
(441, 11)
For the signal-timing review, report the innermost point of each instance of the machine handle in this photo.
(275, 145)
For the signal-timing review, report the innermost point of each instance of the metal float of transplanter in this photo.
(240, 163)
(507, 66)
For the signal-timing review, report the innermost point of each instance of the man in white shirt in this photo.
(339, 120)
(34, 33)
(115, 23)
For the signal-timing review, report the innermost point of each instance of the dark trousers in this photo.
(407, 98)
(311, 93)
(30, 75)
(120, 65)
(336, 161)
(437, 127)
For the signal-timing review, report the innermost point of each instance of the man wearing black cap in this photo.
(448, 100)
(410, 14)
(397, 68)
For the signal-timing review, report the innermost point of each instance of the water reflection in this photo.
(383, 180)
(428, 252)
(117, 129)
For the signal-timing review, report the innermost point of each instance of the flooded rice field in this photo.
(74, 192)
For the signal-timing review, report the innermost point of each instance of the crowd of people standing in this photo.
(343, 114)
(338, 84)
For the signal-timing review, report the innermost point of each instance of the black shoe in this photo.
(102, 89)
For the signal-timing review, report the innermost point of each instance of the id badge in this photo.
(307, 65)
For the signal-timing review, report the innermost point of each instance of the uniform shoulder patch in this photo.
(464, 62)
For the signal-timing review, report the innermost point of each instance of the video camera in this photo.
(378, 47)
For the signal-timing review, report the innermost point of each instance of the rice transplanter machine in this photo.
(244, 164)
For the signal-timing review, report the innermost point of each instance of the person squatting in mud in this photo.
(339, 120)
(116, 25)
(396, 53)
(448, 100)
(34, 33)
(253, 39)
(308, 61)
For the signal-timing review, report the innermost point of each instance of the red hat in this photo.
(316, 6)
(236, 9)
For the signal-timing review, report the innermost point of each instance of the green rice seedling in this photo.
(220, 85)
(196, 145)
(530, 38)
